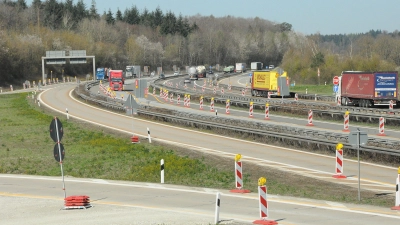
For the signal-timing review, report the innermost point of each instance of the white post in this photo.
(217, 205)
(148, 135)
(66, 109)
(38, 102)
(162, 171)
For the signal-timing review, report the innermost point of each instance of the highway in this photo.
(374, 177)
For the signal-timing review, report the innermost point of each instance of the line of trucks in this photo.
(354, 88)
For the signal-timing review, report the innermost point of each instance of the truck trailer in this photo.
(256, 66)
(265, 81)
(116, 80)
(367, 89)
(100, 74)
(240, 67)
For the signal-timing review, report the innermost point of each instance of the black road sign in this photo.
(57, 152)
(56, 126)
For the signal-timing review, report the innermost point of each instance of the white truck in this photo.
(256, 66)
(240, 67)
(132, 72)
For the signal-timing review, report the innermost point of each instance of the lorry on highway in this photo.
(100, 73)
(256, 66)
(197, 72)
(229, 69)
(132, 72)
(240, 67)
(116, 80)
(265, 81)
(367, 89)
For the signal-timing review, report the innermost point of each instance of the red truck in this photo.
(367, 89)
(116, 80)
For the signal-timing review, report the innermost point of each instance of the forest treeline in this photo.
(152, 37)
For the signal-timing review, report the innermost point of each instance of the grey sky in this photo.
(306, 16)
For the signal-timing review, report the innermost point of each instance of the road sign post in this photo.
(357, 138)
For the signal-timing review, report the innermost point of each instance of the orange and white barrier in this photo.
(263, 203)
(251, 110)
(269, 95)
(171, 98)
(185, 101)
(243, 92)
(339, 101)
(229, 87)
(227, 106)
(339, 162)
(346, 121)
(212, 105)
(296, 97)
(397, 198)
(391, 105)
(161, 92)
(188, 101)
(381, 127)
(310, 118)
(239, 176)
(178, 99)
(215, 91)
(185, 86)
(177, 85)
(222, 91)
(266, 111)
(203, 89)
(201, 102)
(194, 87)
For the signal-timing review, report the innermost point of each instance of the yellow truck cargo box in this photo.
(265, 80)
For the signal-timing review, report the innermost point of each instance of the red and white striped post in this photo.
(381, 127)
(229, 87)
(310, 116)
(239, 176)
(222, 90)
(266, 111)
(263, 203)
(185, 100)
(227, 106)
(296, 97)
(251, 110)
(177, 85)
(339, 101)
(201, 102)
(188, 101)
(339, 162)
(178, 99)
(194, 87)
(215, 91)
(203, 88)
(397, 198)
(185, 86)
(212, 105)
(172, 98)
(391, 105)
(346, 121)
(161, 92)
(269, 95)
(243, 92)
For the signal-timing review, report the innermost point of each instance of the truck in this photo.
(201, 71)
(367, 89)
(132, 72)
(192, 71)
(265, 81)
(116, 80)
(100, 74)
(256, 66)
(229, 69)
(240, 67)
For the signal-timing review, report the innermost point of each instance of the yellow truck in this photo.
(265, 81)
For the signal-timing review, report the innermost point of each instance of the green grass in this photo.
(93, 152)
(313, 89)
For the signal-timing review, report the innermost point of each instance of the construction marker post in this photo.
(269, 95)
(243, 92)
(188, 101)
(346, 122)
(217, 205)
(381, 127)
(391, 105)
(162, 170)
(397, 201)
(148, 135)
(239, 176)
(296, 97)
(339, 162)
(227, 107)
(251, 110)
(201, 102)
(212, 105)
(310, 118)
(66, 110)
(263, 203)
(178, 99)
(339, 101)
(266, 111)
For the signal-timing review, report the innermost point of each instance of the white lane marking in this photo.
(100, 181)
(336, 204)
(183, 129)
(251, 196)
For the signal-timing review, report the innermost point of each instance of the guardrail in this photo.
(255, 128)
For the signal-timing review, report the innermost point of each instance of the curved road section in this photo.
(33, 200)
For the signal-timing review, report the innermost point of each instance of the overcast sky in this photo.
(306, 16)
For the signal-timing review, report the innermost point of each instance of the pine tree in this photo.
(109, 17)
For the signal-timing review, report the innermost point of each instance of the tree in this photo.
(118, 15)
(318, 60)
(132, 15)
(109, 17)
(93, 11)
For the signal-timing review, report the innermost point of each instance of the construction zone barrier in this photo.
(381, 127)
(239, 176)
(188, 101)
(77, 202)
(135, 139)
(339, 162)
(215, 90)
(397, 200)
(263, 203)
(339, 101)
(227, 106)
(310, 120)
(251, 110)
(203, 88)
(229, 87)
(222, 90)
(212, 105)
(201, 102)
(171, 98)
(296, 97)
(269, 95)
(243, 93)
(266, 112)
(346, 121)
(194, 87)
(178, 99)
(177, 85)
(391, 105)
(161, 92)
(162, 170)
